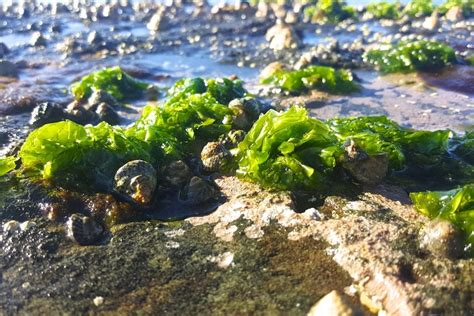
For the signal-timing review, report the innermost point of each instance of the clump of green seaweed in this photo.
(7, 164)
(322, 78)
(329, 11)
(290, 150)
(384, 10)
(420, 55)
(456, 205)
(417, 8)
(467, 6)
(189, 117)
(113, 80)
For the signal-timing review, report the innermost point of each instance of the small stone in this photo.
(107, 114)
(97, 97)
(3, 50)
(454, 14)
(441, 239)
(83, 229)
(11, 226)
(271, 68)
(8, 69)
(158, 22)
(282, 36)
(98, 300)
(26, 225)
(333, 304)
(432, 23)
(38, 40)
(94, 38)
(197, 191)
(45, 113)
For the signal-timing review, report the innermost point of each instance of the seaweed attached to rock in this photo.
(419, 55)
(114, 81)
(329, 11)
(290, 150)
(323, 78)
(384, 10)
(456, 205)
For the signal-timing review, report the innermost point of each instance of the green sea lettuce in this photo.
(331, 11)
(417, 8)
(384, 10)
(455, 205)
(313, 77)
(68, 151)
(113, 80)
(287, 150)
(419, 55)
(467, 6)
(7, 164)
(290, 150)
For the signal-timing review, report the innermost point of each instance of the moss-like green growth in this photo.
(384, 10)
(7, 164)
(467, 6)
(417, 8)
(114, 81)
(329, 11)
(456, 206)
(411, 56)
(313, 77)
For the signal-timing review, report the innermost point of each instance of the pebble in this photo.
(333, 304)
(441, 239)
(98, 300)
(8, 69)
(38, 40)
(3, 50)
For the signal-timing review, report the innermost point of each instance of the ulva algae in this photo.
(419, 55)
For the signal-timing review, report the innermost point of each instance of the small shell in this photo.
(215, 156)
(136, 180)
(197, 191)
(83, 229)
(177, 174)
(245, 112)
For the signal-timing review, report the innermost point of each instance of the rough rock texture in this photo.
(253, 255)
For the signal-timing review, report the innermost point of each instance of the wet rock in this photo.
(271, 68)
(333, 304)
(177, 174)
(215, 157)
(11, 226)
(79, 114)
(197, 191)
(263, 10)
(282, 36)
(94, 39)
(432, 23)
(8, 69)
(83, 229)
(100, 96)
(159, 21)
(3, 50)
(38, 40)
(69, 45)
(364, 168)
(441, 239)
(107, 114)
(137, 181)
(56, 28)
(45, 113)
(454, 14)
